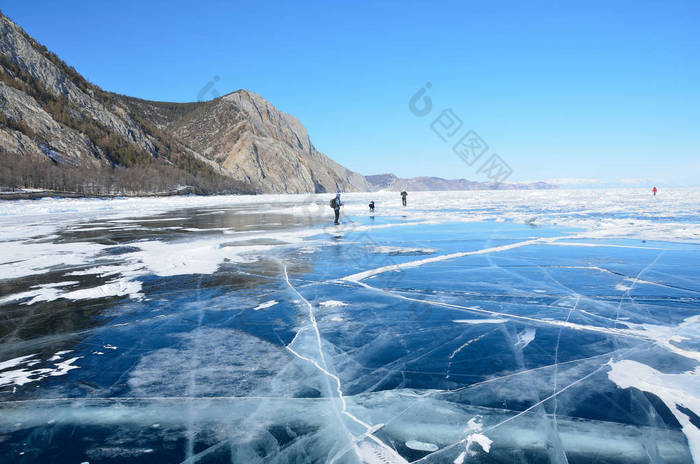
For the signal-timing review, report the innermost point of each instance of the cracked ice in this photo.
(244, 329)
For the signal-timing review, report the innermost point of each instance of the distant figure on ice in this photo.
(404, 194)
(336, 204)
(654, 190)
(371, 206)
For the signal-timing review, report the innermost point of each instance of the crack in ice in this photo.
(369, 429)
(410, 264)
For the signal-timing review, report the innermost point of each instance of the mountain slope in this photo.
(55, 121)
(392, 183)
(256, 143)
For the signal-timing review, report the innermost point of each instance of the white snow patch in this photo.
(473, 429)
(266, 304)
(669, 337)
(395, 250)
(132, 288)
(673, 389)
(421, 446)
(51, 292)
(15, 362)
(21, 259)
(23, 376)
(129, 268)
(480, 439)
(524, 338)
(332, 304)
(58, 355)
(43, 292)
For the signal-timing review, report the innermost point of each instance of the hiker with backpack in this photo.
(336, 204)
(371, 206)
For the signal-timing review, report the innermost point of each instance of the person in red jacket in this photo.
(654, 190)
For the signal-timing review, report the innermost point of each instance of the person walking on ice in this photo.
(404, 194)
(654, 190)
(371, 206)
(336, 204)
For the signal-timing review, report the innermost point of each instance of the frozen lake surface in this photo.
(496, 326)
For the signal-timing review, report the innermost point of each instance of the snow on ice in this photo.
(491, 326)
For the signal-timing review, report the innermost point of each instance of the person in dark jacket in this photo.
(336, 204)
(404, 194)
(371, 206)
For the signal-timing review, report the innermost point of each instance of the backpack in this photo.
(334, 203)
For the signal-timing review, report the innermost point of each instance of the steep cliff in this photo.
(255, 143)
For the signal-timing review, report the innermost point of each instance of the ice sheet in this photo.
(557, 326)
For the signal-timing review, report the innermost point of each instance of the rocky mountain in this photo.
(392, 183)
(255, 143)
(57, 129)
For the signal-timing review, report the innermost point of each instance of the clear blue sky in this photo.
(608, 91)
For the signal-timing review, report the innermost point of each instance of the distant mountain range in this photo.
(60, 132)
(392, 183)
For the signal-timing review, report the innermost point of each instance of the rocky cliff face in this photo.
(36, 62)
(47, 107)
(256, 143)
(18, 106)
